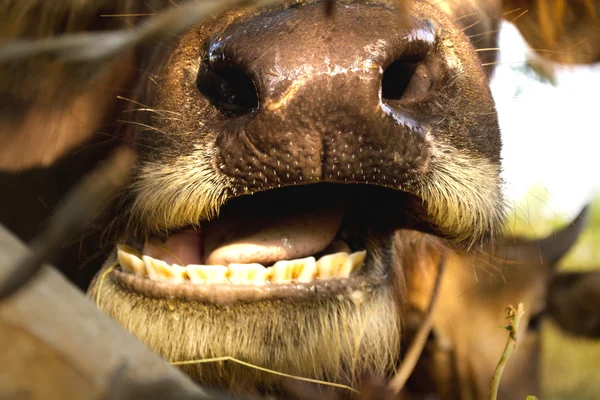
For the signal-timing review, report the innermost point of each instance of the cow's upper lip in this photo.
(294, 242)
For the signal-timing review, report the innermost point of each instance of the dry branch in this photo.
(80, 208)
(416, 347)
(92, 47)
(57, 345)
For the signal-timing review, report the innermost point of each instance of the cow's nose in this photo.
(267, 60)
(311, 98)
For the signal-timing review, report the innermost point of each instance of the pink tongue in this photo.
(182, 248)
(286, 236)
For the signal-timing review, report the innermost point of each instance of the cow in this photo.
(379, 111)
(467, 338)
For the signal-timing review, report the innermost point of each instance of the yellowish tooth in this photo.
(305, 270)
(345, 269)
(131, 263)
(205, 274)
(281, 272)
(159, 270)
(258, 274)
(238, 273)
(247, 274)
(358, 258)
(334, 265)
(156, 269)
(179, 274)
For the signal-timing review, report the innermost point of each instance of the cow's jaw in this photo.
(313, 241)
(276, 158)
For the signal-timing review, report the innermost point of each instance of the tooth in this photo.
(305, 269)
(159, 270)
(358, 258)
(207, 273)
(285, 271)
(345, 269)
(281, 272)
(130, 262)
(334, 265)
(258, 274)
(179, 274)
(247, 274)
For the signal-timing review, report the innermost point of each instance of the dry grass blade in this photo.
(80, 207)
(416, 347)
(514, 317)
(270, 371)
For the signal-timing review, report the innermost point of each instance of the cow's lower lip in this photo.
(347, 257)
(225, 294)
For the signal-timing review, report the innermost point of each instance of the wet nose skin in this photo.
(319, 112)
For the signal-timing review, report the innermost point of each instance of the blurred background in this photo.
(549, 120)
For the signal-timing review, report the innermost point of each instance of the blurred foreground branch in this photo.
(416, 347)
(514, 317)
(81, 206)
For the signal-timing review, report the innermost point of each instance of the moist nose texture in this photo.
(310, 91)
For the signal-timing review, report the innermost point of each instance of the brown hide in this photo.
(40, 100)
(71, 106)
(37, 128)
(564, 31)
(467, 337)
(49, 107)
(574, 302)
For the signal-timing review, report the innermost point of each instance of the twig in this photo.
(81, 206)
(416, 347)
(513, 327)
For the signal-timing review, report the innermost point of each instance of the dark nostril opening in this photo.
(410, 77)
(397, 77)
(228, 87)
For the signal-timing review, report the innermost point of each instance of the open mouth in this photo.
(293, 242)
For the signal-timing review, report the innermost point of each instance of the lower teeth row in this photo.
(337, 265)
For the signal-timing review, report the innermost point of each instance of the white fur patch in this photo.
(179, 194)
(463, 194)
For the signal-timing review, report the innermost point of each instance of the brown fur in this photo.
(461, 188)
(565, 31)
(336, 340)
(339, 340)
(186, 175)
(48, 107)
(467, 339)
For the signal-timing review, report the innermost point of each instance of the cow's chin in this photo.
(304, 280)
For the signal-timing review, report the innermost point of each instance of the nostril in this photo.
(406, 78)
(228, 87)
